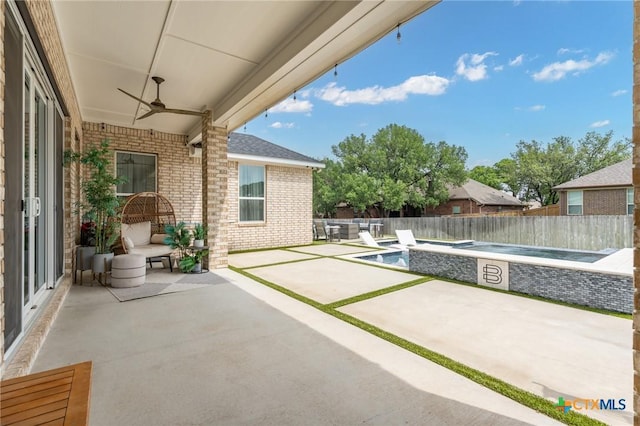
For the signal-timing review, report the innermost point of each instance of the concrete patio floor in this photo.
(243, 353)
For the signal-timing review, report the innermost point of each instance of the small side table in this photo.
(205, 259)
(84, 261)
(334, 231)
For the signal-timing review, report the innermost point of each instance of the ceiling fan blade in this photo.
(148, 114)
(184, 112)
(136, 98)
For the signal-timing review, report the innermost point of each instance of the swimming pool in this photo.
(531, 251)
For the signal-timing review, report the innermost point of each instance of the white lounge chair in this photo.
(366, 238)
(406, 238)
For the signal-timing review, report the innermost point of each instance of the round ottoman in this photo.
(128, 270)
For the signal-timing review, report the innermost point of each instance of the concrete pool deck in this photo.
(548, 349)
(244, 353)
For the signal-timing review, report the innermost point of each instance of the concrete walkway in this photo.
(241, 353)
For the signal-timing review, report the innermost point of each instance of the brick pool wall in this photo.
(588, 288)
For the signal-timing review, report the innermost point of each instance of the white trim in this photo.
(263, 198)
(257, 159)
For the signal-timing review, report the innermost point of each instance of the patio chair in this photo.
(143, 219)
(406, 238)
(319, 230)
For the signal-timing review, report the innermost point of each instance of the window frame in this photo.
(263, 198)
(569, 205)
(115, 164)
(454, 208)
(630, 205)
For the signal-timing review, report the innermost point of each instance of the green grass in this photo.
(375, 293)
(521, 396)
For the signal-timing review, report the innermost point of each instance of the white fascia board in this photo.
(244, 158)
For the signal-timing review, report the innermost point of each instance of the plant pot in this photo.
(198, 243)
(102, 262)
(197, 269)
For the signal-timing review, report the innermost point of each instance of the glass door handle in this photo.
(36, 206)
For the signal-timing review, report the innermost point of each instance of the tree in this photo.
(539, 168)
(487, 175)
(327, 188)
(393, 169)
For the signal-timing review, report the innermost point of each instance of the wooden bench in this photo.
(54, 397)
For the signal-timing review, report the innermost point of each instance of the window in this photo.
(251, 194)
(574, 202)
(455, 209)
(629, 200)
(139, 170)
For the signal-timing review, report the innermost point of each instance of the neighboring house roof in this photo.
(248, 147)
(618, 174)
(482, 194)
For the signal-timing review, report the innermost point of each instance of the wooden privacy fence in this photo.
(573, 232)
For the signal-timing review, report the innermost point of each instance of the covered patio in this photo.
(226, 62)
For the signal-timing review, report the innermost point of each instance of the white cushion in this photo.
(158, 238)
(152, 250)
(128, 243)
(140, 233)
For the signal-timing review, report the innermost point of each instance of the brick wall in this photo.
(179, 176)
(599, 202)
(288, 210)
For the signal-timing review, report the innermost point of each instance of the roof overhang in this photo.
(255, 159)
(236, 58)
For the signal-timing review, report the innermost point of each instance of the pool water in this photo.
(397, 258)
(531, 251)
(547, 253)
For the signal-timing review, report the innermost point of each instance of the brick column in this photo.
(636, 211)
(215, 204)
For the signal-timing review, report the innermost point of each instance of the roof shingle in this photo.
(243, 144)
(618, 174)
(482, 194)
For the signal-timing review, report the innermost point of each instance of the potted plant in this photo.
(178, 238)
(100, 203)
(199, 234)
(193, 262)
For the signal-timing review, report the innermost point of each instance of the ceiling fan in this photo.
(157, 106)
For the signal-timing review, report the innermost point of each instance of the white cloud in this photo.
(619, 92)
(279, 125)
(559, 70)
(418, 85)
(517, 61)
(289, 105)
(498, 68)
(602, 123)
(532, 108)
(564, 50)
(472, 66)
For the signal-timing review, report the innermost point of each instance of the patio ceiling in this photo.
(236, 58)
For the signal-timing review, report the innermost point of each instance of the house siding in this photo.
(179, 176)
(598, 201)
(288, 215)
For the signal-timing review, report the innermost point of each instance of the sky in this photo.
(479, 74)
